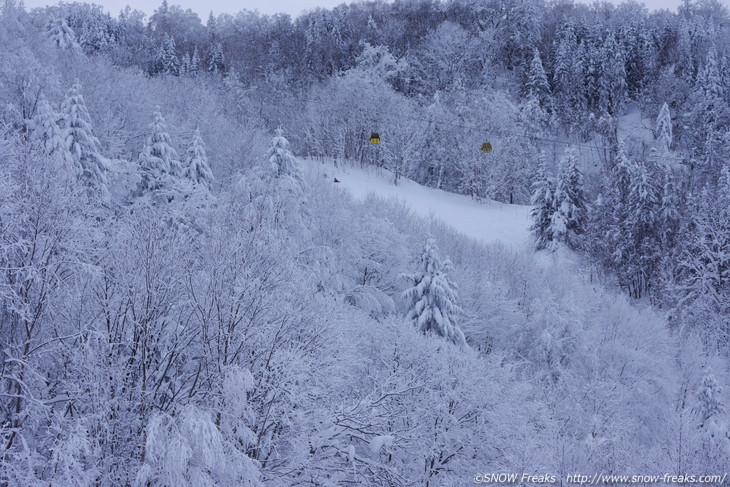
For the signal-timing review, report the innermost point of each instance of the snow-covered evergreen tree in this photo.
(639, 251)
(283, 163)
(643, 199)
(167, 58)
(710, 109)
(709, 409)
(61, 34)
(537, 83)
(612, 88)
(198, 170)
(574, 191)
(432, 298)
(663, 128)
(621, 176)
(703, 267)
(542, 201)
(217, 63)
(559, 218)
(567, 219)
(568, 90)
(609, 226)
(84, 147)
(158, 161)
(709, 78)
(44, 128)
(194, 63)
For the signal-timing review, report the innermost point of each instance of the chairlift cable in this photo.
(530, 137)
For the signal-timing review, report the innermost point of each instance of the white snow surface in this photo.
(380, 442)
(634, 126)
(486, 221)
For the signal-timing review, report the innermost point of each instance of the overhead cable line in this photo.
(530, 137)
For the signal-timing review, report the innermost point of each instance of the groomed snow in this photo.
(488, 221)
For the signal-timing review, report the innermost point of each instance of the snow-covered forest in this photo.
(188, 298)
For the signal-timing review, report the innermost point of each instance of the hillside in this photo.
(484, 221)
(189, 297)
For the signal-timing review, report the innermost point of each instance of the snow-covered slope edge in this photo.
(487, 222)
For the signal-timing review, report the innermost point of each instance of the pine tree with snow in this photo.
(158, 161)
(643, 199)
(217, 62)
(709, 408)
(198, 170)
(537, 83)
(61, 34)
(703, 264)
(663, 128)
(641, 242)
(567, 219)
(559, 219)
(432, 297)
(283, 163)
(568, 90)
(84, 147)
(542, 201)
(709, 79)
(212, 26)
(167, 58)
(621, 177)
(574, 191)
(44, 128)
(612, 88)
(194, 63)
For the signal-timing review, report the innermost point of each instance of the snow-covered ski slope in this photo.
(487, 221)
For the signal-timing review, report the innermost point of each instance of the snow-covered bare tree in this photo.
(188, 450)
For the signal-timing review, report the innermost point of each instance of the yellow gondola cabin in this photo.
(374, 137)
(486, 147)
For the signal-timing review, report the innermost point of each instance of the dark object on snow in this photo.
(487, 147)
(374, 137)
(336, 180)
